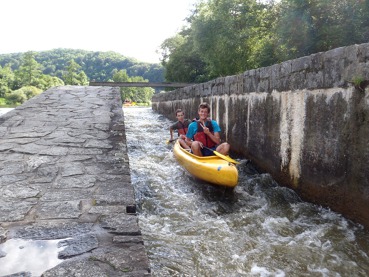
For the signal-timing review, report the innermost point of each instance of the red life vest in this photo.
(202, 137)
(182, 127)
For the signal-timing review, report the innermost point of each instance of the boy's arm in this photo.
(190, 133)
(171, 133)
(171, 130)
(216, 129)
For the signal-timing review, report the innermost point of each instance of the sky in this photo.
(133, 28)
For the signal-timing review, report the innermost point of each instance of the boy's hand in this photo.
(206, 129)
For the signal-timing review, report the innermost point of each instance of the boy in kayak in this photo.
(204, 133)
(181, 126)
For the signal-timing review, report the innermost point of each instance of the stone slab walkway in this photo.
(64, 174)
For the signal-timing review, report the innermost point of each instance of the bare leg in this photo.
(183, 144)
(196, 148)
(223, 148)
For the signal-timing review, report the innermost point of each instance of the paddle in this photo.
(228, 159)
(170, 140)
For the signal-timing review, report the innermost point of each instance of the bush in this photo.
(21, 95)
(2, 101)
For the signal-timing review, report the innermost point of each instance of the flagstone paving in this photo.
(64, 174)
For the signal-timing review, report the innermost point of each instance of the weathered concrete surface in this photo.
(64, 173)
(305, 121)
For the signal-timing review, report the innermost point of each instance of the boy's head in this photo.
(204, 105)
(179, 113)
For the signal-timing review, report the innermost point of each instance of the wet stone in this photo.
(53, 143)
(67, 194)
(128, 239)
(33, 162)
(11, 168)
(7, 146)
(35, 130)
(59, 210)
(76, 158)
(17, 191)
(14, 210)
(3, 235)
(49, 230)
(3, 131)
(72, 169)
(77, 246)
(46, 173)
(75, 182)
(107, 210)
(14, 134)
(64, 174)
(84, 151)
(92, 143)
(42, 150)
(20, 274)
(20, 141)
(126, 259)
(81, 267)
(122, 224)
(101, 126)
(11, 179)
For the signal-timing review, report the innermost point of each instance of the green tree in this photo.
(28, 72)
(223, 31)
(74, 75)
(142, 95)
(21, 95)
(128, 92)
(98, 66)
(46, 81)
(183, 63)
(307, 27)
(225, 37)
(134, 94)
(6, 80)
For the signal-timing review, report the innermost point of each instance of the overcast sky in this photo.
(133, 28)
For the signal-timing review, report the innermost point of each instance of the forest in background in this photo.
(24, 75)
(228, 37)
(222, 38)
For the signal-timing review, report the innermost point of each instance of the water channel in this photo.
(191, 228)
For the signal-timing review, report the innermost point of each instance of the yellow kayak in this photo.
(212, 169)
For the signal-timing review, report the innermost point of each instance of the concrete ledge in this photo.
(64, 174)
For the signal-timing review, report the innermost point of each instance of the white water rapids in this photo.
(192, 228)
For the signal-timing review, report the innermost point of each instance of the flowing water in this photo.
(192, 228)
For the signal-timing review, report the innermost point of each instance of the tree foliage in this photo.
(19, 96)
(26, 81)
(227, 37)
(73, 67)
(74, 76)
(29, 71)
(6, 80)
(98, 66)
(133, 94)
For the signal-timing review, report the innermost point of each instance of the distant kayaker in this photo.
(181, 126)
(204, 133)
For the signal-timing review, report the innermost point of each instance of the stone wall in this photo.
(305, 121)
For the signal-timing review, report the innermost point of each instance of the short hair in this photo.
(204, 105)
(179, 111)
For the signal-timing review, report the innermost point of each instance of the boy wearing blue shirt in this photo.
(204, 133)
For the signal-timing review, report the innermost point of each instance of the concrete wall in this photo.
(305, 121)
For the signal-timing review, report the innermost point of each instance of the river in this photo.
(191, 228)
(5, 110)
